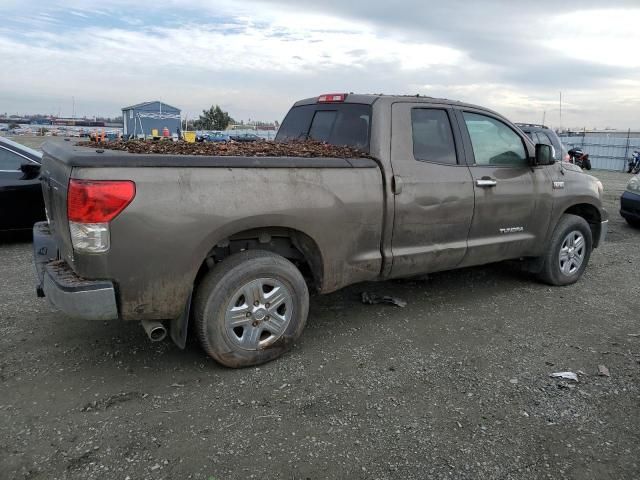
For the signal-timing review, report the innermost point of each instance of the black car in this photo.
(543, 134)
(21, 202)
(245, 137)
(630, 202)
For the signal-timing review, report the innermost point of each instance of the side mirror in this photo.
(544, 155)
(30, 170)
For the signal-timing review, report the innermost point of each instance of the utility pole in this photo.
(544, 114)
(560, 127)
(73, 107)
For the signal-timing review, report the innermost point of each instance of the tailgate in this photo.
(55, 181)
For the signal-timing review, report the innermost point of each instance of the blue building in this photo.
(143, 118)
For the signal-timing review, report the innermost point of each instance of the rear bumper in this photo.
(75, 296)
(630, 206)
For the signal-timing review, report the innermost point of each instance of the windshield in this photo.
(337, 124)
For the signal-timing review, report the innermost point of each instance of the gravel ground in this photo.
(455, 385)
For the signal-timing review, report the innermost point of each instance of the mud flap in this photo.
(180, 325)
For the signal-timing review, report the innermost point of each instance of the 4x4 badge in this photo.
(558, 185)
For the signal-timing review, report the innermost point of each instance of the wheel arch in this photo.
(591, 214)
(291, 243)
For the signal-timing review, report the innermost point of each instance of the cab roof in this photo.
(371, 98)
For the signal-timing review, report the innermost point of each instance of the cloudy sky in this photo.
(256, 57)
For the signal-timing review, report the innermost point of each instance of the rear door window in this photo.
(432, 136)
(337, 124)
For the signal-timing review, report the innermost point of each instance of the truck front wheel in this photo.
(568, 251)
(250, 308)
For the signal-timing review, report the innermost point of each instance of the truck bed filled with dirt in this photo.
(303, 148)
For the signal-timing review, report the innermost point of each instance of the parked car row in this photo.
(245, 137)
(217, 136)
(206, 136)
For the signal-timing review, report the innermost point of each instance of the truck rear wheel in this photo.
(250, 308)
(568, 252)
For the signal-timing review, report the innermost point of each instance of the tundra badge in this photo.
(512, 230)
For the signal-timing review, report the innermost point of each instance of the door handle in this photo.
(486, 182)
(396, 184)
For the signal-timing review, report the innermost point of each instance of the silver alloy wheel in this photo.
(258, 313)
(572, 253)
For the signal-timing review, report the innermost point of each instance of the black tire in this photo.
(551, 272)
(216, 292)
(587, 164)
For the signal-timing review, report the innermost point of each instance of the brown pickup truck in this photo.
(234, 243)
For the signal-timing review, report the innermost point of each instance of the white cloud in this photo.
(603, 36)
(78, 14)
(216, 48)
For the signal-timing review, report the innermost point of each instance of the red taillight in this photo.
(98, 201)
(332, 98)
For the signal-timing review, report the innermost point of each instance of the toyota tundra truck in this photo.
(233, 244)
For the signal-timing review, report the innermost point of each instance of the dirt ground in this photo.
(455, 385)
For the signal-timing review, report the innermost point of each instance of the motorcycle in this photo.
(634, 163)
(579, 158)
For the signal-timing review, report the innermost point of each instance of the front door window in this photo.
(494, 143)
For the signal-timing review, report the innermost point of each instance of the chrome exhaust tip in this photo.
(156, 331)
